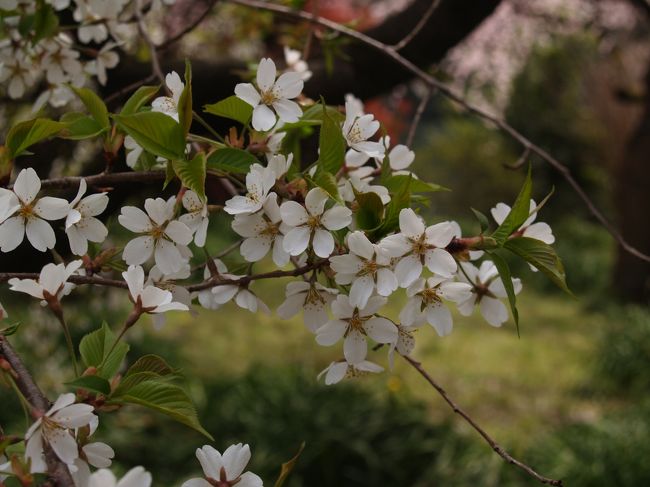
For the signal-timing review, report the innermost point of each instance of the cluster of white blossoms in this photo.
(36, 51)
(346, 238)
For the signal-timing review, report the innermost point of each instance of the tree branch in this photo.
(493, 444)
(57, 470)
(420, 25)
(452, 95)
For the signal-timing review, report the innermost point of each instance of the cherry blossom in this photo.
(106, 59)
(164, 237)
(539, 230)
(262, 231)
(196, 218)
(224, 469)
(404, 344)
(417, 246)
(19, 73)
(179, 293)
(358, 128)
(272, 93)
(217, 296)
(487, 290)
(354, 324)
(294, 61)
(149, 299)
(425, 303)
(136, 477)
(311, 298)
(30, 214)
(337, 371)
(169, 105)
(366, 267)
(133, 151)
(81, 225)
(54, 429)
(51, 283)
(259, 182)
(313, 224)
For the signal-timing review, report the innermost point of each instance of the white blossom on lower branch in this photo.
(354, 324)
(81, 225)
(52, 282)
(150, 298)
(487, 292)
(259, 182)
(136, 477)
(224, 470)
(164, 237)
(426, 302)
(337, 371)
(21, 213)
(312, 224)
(196, 218)
(310, 297)
(54, 428)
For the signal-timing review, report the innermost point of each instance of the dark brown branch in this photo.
(142, 28)
(452, 95)
(418, 116)
(189, 28)
(420, 25)
(57, 470)
(493, 444)
(104, 180)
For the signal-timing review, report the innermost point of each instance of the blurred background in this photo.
(569, 396)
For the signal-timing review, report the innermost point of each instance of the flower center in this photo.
(314, 297)
(313, 222)
(356, 322)
(26, 211)
(369, 268)
(271, 230)
(354, 135)
(420, 246)
(430, 296)
(269, 97)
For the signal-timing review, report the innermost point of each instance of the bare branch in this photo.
(142, 28)
(452, 95)
(423, 21)
(57, 469)
(189, 28)
(418, 116)
(493, 444)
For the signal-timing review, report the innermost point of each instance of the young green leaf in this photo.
(231, 160)
(542, 256)
(192, 173)
(138, 99)
(506, 278)
(156, 132)
(518, 214)
(396, 183)
(166, 398)
(331, 144)
(150, 363)
(370, 211)
(398, 202)
(79, 126)
(482, 220)
(185, 101)
(233, 108)
(97, 350)
(93, 383)
(25, 134)
(95, 106)
(327, 182)
(45, 24)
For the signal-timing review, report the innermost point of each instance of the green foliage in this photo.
(95, 106)
(192, 173)
(185, 101)
(518, 213)
(79, 126)
(397, 182)
(231, 160)
(99, 349)
(331, 144)
(138, 99)
(233, 108)
(368, 215)
(327, 182)
(542, 256)
(155, 132)
(93, 383)
(25, 134)
(400, 199)
(506, 277)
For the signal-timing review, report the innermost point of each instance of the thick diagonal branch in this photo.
(57, 470)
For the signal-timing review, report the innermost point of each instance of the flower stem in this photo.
(69, 343)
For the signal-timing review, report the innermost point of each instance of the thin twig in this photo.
(189, 28)
(129, 88)
(418, 116)
(142, 28)
(57, 469)
(493, 444)
(452, 95)
(519, 163)
(423, 21)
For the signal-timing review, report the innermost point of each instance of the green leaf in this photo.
(542, 256)
(185, 101)
(156, 132)
(45, 22)
(95, 349)
(287, 467)
(370, 210)
(192, 173)
(233, 108)
(396, 183)
(94, 105)
(327, 182)
(331, 144)
(231, 160)
(150, 363)
(79, 126)
(138, 99)
(92, 383)
(166, 398)
(10, 330)
(397, 203)
(506, 278)
(482, 220)
(518, 214)
(25, 134)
